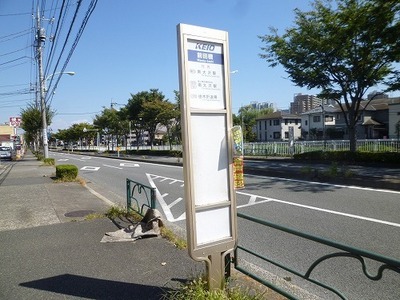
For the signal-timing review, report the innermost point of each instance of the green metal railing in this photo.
(347, 251)
(142, 196)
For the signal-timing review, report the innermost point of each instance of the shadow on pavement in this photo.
(94, 288)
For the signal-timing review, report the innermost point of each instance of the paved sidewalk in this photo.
(48, 250)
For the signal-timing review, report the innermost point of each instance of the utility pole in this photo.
(40, 38)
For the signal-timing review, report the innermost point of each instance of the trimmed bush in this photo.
(67, 172)
(49, 161)
(350, 157)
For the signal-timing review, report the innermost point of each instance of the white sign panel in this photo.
(207, 140)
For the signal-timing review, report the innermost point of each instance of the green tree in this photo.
(343, 49)
(156, 110)
(32, 123)
(176, 129)
(149, 109)
(75, 133)
(246, 117)
(109, 122)
(134, 109)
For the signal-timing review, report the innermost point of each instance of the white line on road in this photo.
(113, 167)
(322, 210)
(328, 184)
(175, 202)
(160, 199)
(253, 200)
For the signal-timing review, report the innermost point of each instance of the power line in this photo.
(15, 51)
(14, 36)
(89, 12)
(64, 46)
(78, 114)
(59, 26)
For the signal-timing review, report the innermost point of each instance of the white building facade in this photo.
(277, 127)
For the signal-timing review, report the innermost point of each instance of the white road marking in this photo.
(253, 200)
(129, 165)
(266, 199)
(90, 168)
(63, 159)
(328, 184)
(113, 167)
(175, 202)
(160, 199)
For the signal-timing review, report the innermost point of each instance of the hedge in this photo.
(67, 172)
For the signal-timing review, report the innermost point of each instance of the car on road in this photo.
(5, 152)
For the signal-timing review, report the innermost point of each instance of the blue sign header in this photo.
(205, 57)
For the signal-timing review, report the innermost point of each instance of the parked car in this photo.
(5, 152)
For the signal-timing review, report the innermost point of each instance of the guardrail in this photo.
(345, 251)
(143, 197)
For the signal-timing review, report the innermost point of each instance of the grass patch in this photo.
(49, 161)
(173, 238)
(115, 212)
(94, 216)
(198, 289)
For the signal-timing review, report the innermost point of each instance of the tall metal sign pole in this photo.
(207, 147)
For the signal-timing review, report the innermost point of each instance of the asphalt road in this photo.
(359, 217)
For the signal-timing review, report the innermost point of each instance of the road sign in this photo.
(207, 146)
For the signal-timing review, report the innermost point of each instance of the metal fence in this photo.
(139, 197)
(284, 149)
(341, 250)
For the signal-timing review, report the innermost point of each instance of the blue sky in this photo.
(131, 46)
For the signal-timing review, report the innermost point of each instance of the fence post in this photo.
(128, 195)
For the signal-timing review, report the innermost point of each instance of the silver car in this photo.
(5, 152)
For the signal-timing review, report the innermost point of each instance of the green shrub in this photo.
(350, 157)
(149, 152)
(67, 172)
(49, 161)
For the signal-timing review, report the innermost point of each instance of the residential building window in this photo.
(286, 121)
(277, 135)
(270, 122)
(338, 116)
(306, 123)
(316, 119)
(276, 122)
(286, 134)
(296, 122)
(328, 118)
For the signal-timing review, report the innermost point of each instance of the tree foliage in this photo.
(149, 109)
(342, 48)
(246, 118)
(32, 122)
